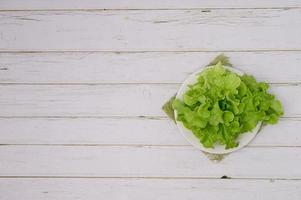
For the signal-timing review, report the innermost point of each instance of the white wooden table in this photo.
(83, 82)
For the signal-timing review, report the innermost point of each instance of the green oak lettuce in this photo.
(221, 105)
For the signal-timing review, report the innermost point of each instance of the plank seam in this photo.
(146, 51)
(150, 177)
(140, 145)
(126, 83)
(110, 117)
(205, 9)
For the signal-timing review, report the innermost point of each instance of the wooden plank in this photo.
(107, 100)
(149, 67)
(124, 131)
(142, 4)
(133, 131)
(185, 161)
(148, 189)
(83, 100)
(151, 30)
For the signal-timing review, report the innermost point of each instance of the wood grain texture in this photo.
(108, 100)
(148, 189)
(143, 4)
(147, 67)
(123, 131)
(151, 30)
(145, 161)
(81, 89)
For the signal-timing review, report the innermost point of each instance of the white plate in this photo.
(243, 139)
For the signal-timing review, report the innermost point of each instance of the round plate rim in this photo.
(188, 135)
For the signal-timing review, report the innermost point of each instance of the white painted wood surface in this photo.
(147, 189)
(144, 4)
(151, 30)
(147, 161)
(81, 89)
(106, 131)
(152, 67)
(119, 100)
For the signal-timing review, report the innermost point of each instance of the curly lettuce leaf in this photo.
(222, 105)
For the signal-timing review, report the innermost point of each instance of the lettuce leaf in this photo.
(221, 105)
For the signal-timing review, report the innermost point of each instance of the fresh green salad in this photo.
(222, 105)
